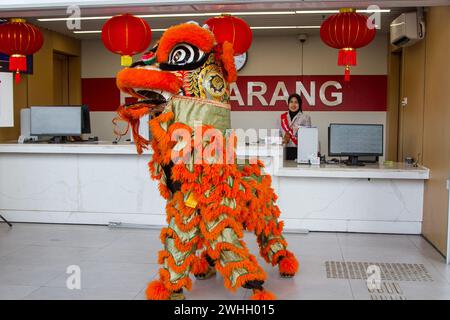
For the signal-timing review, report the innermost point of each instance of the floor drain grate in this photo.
(388, 271)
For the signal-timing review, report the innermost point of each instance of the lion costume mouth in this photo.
(152, 97)
(153, 86)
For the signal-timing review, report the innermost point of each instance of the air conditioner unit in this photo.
(407, 29)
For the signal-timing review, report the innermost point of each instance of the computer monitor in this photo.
(61, 121)
(85, 119)
(355, 140)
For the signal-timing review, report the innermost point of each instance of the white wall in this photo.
(270, 55)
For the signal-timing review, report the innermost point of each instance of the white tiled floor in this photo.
(118, 264)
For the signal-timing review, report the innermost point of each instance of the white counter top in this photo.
(376, 171)
(107, 147)
(274, 152)
(102, 147)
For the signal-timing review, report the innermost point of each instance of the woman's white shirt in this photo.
(300, 120)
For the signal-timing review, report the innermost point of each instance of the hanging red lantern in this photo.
(231, 29)
(19, 39)
(346, 31)
(126, 35)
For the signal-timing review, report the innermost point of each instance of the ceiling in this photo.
(33, 14)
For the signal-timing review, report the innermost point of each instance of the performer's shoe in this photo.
(211, 272)
(288, 265)
(178, 295)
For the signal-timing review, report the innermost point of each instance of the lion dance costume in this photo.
(211, 201)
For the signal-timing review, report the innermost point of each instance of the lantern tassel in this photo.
(347, 57)
(17, 77)
(126, 61)
(17, 62)
(347, 74)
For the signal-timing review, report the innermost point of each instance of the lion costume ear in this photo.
(227, 58)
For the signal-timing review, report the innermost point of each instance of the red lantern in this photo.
(126, 35)
(231, 29)
(347, 31)
(18, 39)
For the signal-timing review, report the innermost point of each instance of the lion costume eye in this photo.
(185, 53)
(184, 56)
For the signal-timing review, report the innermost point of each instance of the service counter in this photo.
(109, 183)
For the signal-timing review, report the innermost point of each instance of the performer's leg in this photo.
(232, 258)
(180, 241)
(262, 217)
(203, 266)
(273, 248)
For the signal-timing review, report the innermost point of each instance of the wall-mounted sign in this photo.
(319, 93)
(6, 100)
(269, 93)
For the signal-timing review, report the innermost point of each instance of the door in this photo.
(60, 79)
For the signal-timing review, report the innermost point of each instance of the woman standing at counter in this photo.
(290, 122)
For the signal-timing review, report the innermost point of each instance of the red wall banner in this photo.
(100, 94)
(319, 93)
(269, 93)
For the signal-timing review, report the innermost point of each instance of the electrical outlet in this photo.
(404, 102)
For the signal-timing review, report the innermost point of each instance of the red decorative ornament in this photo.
(19, 39)
(231, 29)
(126, 35)
(346, 31)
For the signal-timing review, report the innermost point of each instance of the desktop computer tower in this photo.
(308, 144)
(25, 126)
(144, 128)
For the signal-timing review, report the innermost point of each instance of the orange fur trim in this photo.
(132, 115)
(288, 264)
(241, 280)
(180, 213)
(265, 248)
(214, 233)
(129, 78)
(226, 246)
(163, 190)
(251, 267)
(157, 291)
(185, 265)
(228, 62)
(278, 255)
(186, 32)
(183, 282)
(263, 295)
(200, 266)
(161, 142)
(181, 173)
(179, 244)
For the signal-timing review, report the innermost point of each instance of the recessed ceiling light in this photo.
(254, 28)
(261, 13)
(74, 18)
(211, 14)
(176, 15)
(375, 10)
(315, 11)
(100, 31)
(88, 31)
(337, 11)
